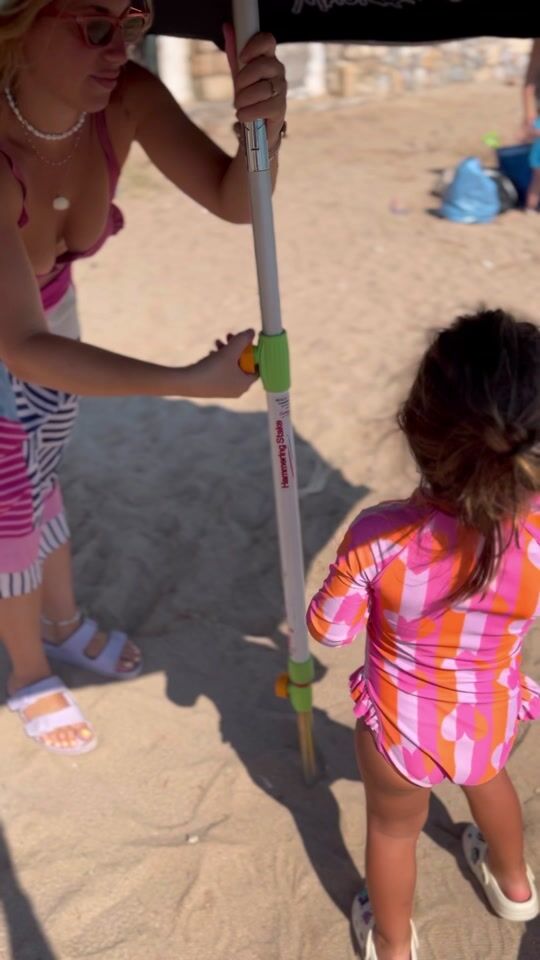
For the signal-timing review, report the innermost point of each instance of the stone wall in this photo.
(367, 71)
(210, 74)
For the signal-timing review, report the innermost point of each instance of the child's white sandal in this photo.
(363, 923)
(475, 850)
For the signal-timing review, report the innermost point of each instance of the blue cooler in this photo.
(514, 163)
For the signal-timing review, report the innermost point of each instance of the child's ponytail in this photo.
(472, 420)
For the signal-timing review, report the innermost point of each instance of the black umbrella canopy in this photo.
(357, 21)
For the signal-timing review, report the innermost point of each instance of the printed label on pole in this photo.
(283, 446)
(284, 405)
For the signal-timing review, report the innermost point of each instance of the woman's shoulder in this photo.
(138, 90)
(139, 94)
(129, 103)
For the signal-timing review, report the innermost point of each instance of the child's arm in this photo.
(339, 610)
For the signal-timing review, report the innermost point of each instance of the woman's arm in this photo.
(32, 353)
(183, 152)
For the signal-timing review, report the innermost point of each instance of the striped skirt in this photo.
(35, 426)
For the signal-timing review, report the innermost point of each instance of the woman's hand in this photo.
(219, 373)
(260, 87)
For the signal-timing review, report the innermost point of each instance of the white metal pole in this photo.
(246, 22)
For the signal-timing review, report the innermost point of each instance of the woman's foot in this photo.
(56, 632)
(43, 704)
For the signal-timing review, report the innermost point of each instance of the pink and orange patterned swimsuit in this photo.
(441, 689)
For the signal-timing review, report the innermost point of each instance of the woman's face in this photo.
(65, 65)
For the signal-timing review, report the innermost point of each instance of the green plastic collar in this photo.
(301, 676)
(271, 355)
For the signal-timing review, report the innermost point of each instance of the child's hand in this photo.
(219, 374)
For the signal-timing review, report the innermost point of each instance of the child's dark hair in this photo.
(472, 421)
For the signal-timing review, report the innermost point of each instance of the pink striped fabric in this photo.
(16, 511)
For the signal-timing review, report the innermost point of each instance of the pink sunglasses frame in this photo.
(132, 13)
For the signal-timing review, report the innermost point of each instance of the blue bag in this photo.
(472, 196)
(514, 162)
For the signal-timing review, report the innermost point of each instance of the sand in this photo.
(189, 835)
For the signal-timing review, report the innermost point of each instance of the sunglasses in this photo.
(99, 30)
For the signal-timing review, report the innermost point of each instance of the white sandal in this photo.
(67, 716)
(363, 922)
(475, 850)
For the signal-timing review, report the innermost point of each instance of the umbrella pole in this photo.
(272, 359)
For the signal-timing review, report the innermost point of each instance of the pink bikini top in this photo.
(58, 284)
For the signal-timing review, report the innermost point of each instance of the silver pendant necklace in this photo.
(60, 203)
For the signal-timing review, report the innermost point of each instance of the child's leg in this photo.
(533, 193)
(396, 813)
(497, 812)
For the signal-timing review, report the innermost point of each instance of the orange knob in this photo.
(281, 686)
(247, 360)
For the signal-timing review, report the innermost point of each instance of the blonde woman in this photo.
(71, 105)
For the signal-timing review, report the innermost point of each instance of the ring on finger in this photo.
(273, 88)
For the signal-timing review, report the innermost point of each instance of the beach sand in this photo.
(189, 835)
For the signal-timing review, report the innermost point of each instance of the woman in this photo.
(531, 90)
(71, 105)
(531, 124)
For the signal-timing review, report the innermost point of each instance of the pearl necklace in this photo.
(39, 133)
